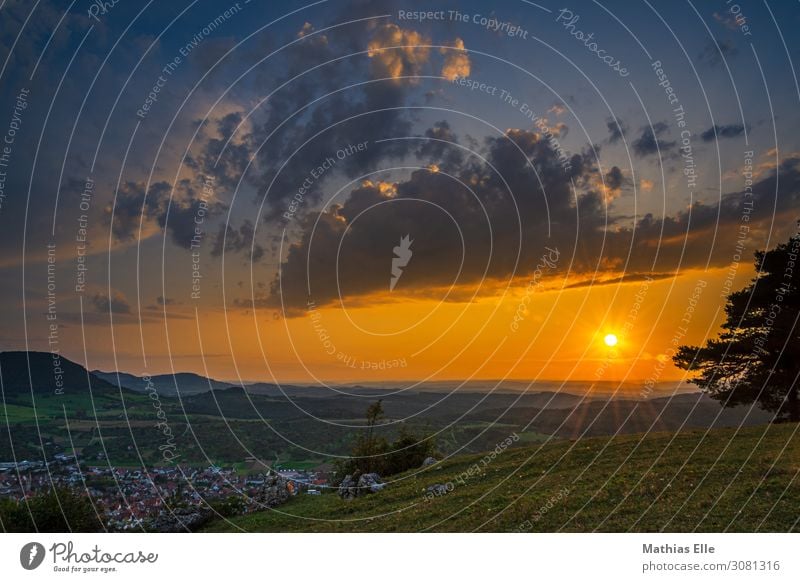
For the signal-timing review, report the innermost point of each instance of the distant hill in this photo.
(22, 371)
(434, 408)
(595, 390)
(189, 384)
(722, 480)
(184, 383)
(597, 418)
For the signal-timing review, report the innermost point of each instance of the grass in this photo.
(676, 482)
(16, 414)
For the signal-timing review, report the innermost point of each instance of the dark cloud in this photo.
(481, 223)
(312, 117)
(626, 278)
(507, 217)
(231, 240)
(438, 149)
(775, 198)
(175, 210)
(115, 302)
(648, 142)
(715, 50)
(132, 207)
(223, 157)
(616, 130)
(614, 178)
(722, 131)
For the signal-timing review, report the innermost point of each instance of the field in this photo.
(690, 481)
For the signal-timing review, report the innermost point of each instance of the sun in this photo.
(610, 340)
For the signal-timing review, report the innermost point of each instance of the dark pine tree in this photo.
(756, 357)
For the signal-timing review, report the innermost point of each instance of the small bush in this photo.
(228, 507)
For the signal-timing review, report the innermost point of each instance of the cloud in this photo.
(614, 178)
(115, 302)
(775, 198)
(439, 149)
(559, 130)
(224, 156)
(305, 30)
(485, 226)
(456, 61)
(616, 130)
(174, 210)
(465, 228)
(715, 50)
(722, 131)
(610, 184)
(398, 52)
(648, 142)
(231, 240)
(133, 207)
(626, 278)
(62, 33)
(312, 113)
(726, 20)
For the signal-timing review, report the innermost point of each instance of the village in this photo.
(132, 498)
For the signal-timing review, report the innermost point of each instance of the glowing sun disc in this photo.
(610, 340)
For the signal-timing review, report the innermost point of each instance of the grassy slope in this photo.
(667, 494)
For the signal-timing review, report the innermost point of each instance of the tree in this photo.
(374, 414)
(756, 357)
(373, 453)
(407, 452)
(55, 511)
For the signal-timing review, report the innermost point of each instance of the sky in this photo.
(337, 192)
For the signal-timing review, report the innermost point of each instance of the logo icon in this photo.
(31, 555)
(403, 254)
